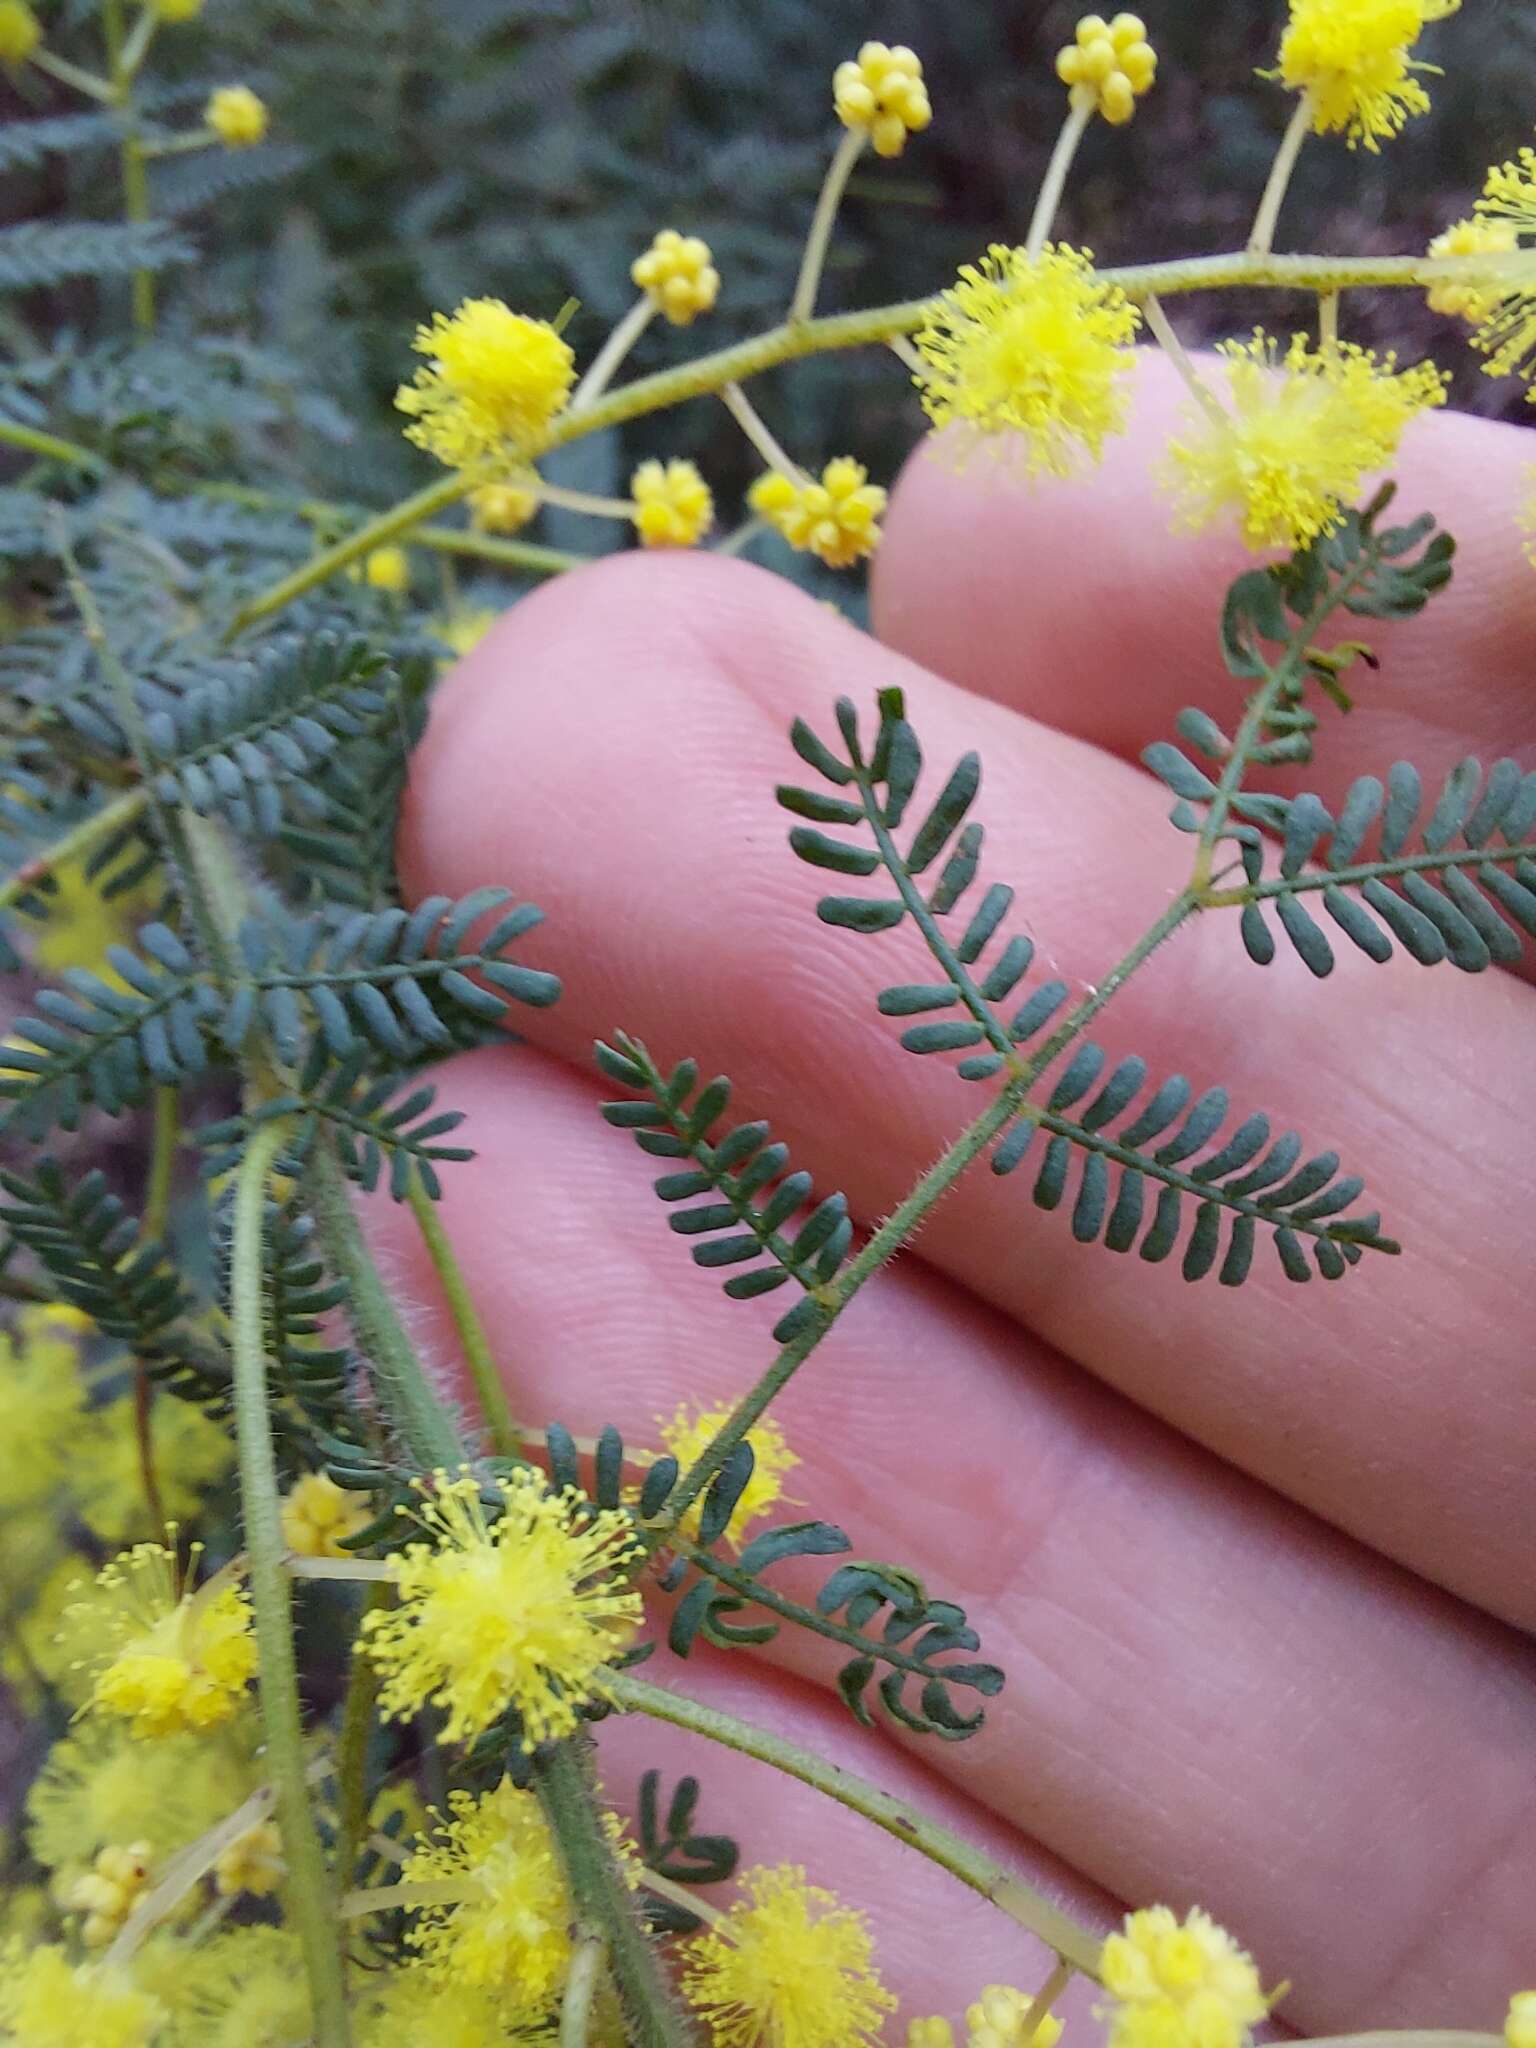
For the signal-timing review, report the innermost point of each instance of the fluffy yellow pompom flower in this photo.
(502, 508)
(1351, 58)
(1467, 295)
(837, 520)
(996, 2020)
(678, 275)
(693, 1428)
(1033, 347)
(99, 1785)
(493, 381)
(1520, 2021)
(408, 2007)
(167, 1658)
(1300, 434)
(318, 1516)
(105, 1894)
(881, 91)
(1109, 66)
(45, 2002)
(673, 505)
(1179, 1985)
(1507, 330)
(246, 1988)
(191, 1452)
(42, 1407)
(236, 116)
(523, 1612)
(20, 31)
(787, 1967)
(506, 1924)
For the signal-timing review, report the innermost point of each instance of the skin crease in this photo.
(1212, 1695)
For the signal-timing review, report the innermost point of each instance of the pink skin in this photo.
(1317, 1731)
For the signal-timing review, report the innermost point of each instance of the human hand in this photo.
(1256, 1565)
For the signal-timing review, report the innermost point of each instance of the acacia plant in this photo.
(387, 1827)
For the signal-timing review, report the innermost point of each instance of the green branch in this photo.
(1021, 1902)
(310, 1907)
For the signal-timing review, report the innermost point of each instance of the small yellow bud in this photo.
(882, 91)
(105, 1894)
(20, 31)
(673, 506)
(388, 569)
(930, 2033)
(678, 275)
(837, 520)
(176, 10)
(997, 2018)
(1108, 67)
(1520, 2023)
(318, 1515)
(254, 1864)
(502, 508)
(236, 116)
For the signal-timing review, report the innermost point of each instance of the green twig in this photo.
(562, 1778)
(352, 1747)
(1021, 1902)
(14, 435)
(473, 1342)
(310, 1906)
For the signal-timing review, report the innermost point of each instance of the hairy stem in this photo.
(1261, 237)
(562, 1778)
(1073, 1943)
(849, 149)
(424, 1422)
(310, 1907)
(352, 1747)
(473, 1341)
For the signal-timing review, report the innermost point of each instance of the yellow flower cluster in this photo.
(105, 1894)
(881, 92)
(1507, 333)
(101, 1786)
(524, 1611)
(493, 381)
(995, 2020)
(673, 505)
(1470, 293)
(787, 1965)
(20, 31)
(236, 116)
(1179, 1984)
(318, 1516)
(1520, 2021)
(690, 1432)
(502, 508)
(387, 568)
(246, 1988)
(1300, 434)
(678, 275)
(1109, 65)
(46, 2002)
(253, 1864)
(1352, 59)
(166, 1658)
(499, 1916)
(837, 520)
(1036, 347)
(176, 11)
(42, 1406)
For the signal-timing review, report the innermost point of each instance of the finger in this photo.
(610, 751)
(775, 1819)
(1209, 1693)
(1075, 601)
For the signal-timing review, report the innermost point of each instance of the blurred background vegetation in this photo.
(423, 150)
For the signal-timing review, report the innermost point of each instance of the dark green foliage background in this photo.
(423, 150)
